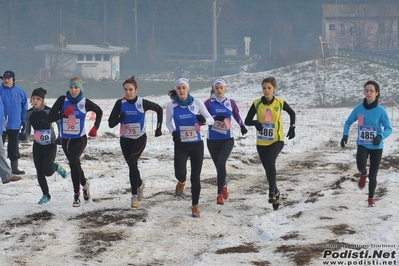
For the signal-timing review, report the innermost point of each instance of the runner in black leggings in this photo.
(130, 113)
(373, 127)
(270, 137)
(44, 147)
(71, 110)
(220, 139)
(187, 113)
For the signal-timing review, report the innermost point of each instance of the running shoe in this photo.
(362, 181)
(195, 211)
(60, 170)
(371, 202)
(135, 202)
(76, 202)
(220, 200)
(180, 188)
(225, 192)
(44, 199)
(86, 191)
(140, 192)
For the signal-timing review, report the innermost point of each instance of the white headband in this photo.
(181, 80)
(218, 80)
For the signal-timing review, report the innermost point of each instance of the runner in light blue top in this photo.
(373, 127)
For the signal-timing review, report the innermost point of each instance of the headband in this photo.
(218, 80)
(181, 80)
(75, 83)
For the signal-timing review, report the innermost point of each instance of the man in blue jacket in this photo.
(5, 170)
(15, 106)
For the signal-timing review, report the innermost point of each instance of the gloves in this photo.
(69, 110)
(259, 126)
(22, 136)
(22, 127)
(377, 140)
(291, 132)
(344, 140)
(244, 130)
(93, 131)
(176, 137)
(58, 141)
(219, 118)
(201, 119)
(121, 117)
(158, 132)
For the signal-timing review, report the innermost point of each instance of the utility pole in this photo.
(135, 23)
(214, 55)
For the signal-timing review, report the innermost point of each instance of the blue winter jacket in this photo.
(15, 105)
(375, 118)
(1, 117)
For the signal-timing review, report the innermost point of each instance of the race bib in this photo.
(220, 127)
(72, 127)
(367, 134)
(188, 133)
(132, 131)
(267, 132)
(43, 136)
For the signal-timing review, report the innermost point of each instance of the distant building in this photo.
(361, 26)
(94, 62)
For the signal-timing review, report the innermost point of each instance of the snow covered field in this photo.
(323, 213)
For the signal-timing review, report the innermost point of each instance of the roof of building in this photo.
(82, 48)
(360, 10)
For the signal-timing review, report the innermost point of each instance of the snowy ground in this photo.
(322, 209)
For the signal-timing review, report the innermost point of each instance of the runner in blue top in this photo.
(187, 113)
(44, 148)
(220, 139)
(373, 127)
(130, 113)
(72, 109)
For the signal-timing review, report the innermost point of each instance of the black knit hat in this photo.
(39, 92)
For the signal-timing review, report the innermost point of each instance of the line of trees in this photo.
(163, 26)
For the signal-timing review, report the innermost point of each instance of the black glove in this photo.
(377, 140)
(259, 126)
(22, 136)
(244, 130)
(291, 132)
(344, 140)
(176, 137)
(220, 118)
(58, 141)
(121, 117)
(22, 127)
(201, 119)
(158, 132)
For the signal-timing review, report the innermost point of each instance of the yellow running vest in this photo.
(271, 118)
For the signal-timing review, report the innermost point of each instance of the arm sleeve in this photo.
(24, 107)
(113, 119)
(169, 118)
(55, 113)
(250, 115)
(290, 112)
(386, 123)
(91, 106)
(349, 121)
(236, 113)
(148, 105)
(204, 112)
(27, 123)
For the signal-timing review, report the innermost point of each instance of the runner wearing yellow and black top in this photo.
(129, 112)
(270, 136)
